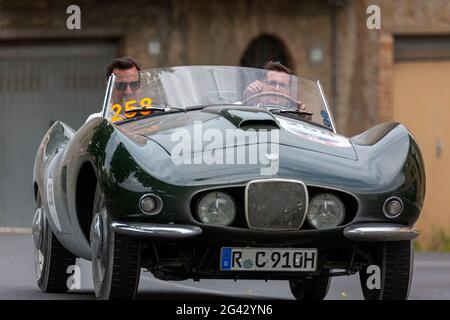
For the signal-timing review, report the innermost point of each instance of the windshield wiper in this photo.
(296, 111)
(178, 108)
(145, 109)
(156, 108)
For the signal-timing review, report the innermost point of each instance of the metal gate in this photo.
(38, 85)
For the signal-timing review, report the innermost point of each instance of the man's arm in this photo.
(94, 115)
(253, 88)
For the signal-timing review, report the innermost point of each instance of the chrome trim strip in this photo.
(156, 230)
(380, 232)
(271, 180)
(411, 266)
(326, 106)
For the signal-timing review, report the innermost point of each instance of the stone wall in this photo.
(365, 57)
(189, 32)
(219, 31)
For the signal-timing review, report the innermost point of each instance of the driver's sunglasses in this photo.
(276, 84)
(122, 86)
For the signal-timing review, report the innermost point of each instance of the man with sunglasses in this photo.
(127, 82)
(277, 80)
(127, 79)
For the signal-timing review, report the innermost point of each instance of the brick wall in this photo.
(219, 31)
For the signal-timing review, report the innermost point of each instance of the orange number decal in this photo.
(116, 108)
(129, 105)
(146, 103)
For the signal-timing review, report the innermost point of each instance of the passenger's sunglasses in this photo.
(122, 86)
(275, 84)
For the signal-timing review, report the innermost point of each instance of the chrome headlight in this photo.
(325, 211)
(216, 208)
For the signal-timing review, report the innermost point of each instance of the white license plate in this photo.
(268, 259)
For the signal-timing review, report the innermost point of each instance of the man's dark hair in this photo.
(277, 66)
(123, 63)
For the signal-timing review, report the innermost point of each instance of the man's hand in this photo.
(304, 108)
(254, 88)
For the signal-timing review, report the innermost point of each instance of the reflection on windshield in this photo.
(153, 91)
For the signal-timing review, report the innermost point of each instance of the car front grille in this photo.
(275, 204)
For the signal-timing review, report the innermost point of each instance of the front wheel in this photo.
(51, 258)
(116, 258)
(311, 289)
(395, 262)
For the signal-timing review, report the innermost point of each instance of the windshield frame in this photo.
(327, 107)
(108, 94)
(111, 79)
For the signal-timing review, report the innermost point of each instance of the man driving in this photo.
(126, 84)
(277, 81)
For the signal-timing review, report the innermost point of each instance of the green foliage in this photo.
(439, 242)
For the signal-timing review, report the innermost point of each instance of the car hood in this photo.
(214, 128)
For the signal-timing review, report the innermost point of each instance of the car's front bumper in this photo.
(380, 232)
(155, 230)
(336, 247)
(361, 232)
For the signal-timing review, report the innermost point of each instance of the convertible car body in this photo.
(194, 175)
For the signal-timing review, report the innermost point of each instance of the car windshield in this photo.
(156, 91)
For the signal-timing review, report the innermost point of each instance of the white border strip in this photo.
(194, 289)
(15, 230)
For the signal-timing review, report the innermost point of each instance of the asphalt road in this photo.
(431, 280)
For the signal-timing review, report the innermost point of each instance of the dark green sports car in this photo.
(226, 173)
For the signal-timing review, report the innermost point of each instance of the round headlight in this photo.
(325, 211)
(216, 208)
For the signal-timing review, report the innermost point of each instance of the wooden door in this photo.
(421, 101)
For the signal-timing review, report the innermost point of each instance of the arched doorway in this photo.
(263, 49)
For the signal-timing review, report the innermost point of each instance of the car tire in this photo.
(311, 289)
(51, 258)
(116, 258)
(395, 260)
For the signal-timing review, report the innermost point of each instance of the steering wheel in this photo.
(270, 93)
(275, 106)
